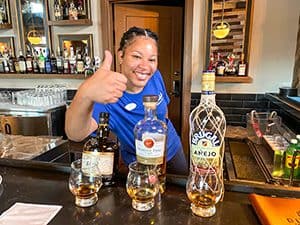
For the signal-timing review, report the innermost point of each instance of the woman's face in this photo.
(139, 62)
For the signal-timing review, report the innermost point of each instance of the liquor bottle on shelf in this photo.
(58, 10)
(22, 62)
(11, 61)
(81, 14)
(72, 60)
(53, 62)
(5, 60)
(65, 6)
(41, 62)
(59, 61)
(207, 131)
(211, 65)
(29, 62)
(242, 66)
(79, 63)
(73, 13)
(150, 139)
(220, 66)
(66, 61)
(102, 151)
(35, 62)
(48, 68)
(88, 70)
(1, 63)
(230, 69)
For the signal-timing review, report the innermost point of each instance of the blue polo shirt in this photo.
(129, 109)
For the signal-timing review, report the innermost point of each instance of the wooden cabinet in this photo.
(5, 18)
(237, 13)
(69, 13)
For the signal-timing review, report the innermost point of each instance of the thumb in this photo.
(107, 60)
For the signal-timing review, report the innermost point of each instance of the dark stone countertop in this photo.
(114, 206)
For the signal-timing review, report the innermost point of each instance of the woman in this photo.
(121, 95)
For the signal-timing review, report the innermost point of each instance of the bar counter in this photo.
(39, 186)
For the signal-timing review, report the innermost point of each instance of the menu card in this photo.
(276, 210)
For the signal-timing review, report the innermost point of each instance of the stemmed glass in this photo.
(204, 188)
(142, 185)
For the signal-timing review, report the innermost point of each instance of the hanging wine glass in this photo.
(221, 29)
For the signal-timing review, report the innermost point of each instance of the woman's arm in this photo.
(105, 86)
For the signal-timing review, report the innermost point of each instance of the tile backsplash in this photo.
(235, 106)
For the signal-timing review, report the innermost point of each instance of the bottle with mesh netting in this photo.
(207, 130)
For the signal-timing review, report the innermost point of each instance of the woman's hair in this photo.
(133, 32)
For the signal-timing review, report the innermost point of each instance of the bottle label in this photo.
(89, 163)
(220, 70)
(106, 163)
(205, 149)
(288, 161)
(208, 82)
(242, 70)
(29, 65)
(22, 65)
(152, 146)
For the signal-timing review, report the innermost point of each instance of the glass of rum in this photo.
(84, 183)
(142, 185)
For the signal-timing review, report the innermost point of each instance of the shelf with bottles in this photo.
(41, 76)
(69, 13)
(234, 79)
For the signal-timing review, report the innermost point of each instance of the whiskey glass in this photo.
(142, 185)
(85, 183)
(204, 188)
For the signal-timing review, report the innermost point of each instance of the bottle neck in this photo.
(150, 112)
(208, 97)
(103, 133)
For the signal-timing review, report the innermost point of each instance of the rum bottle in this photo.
(102, 151)
(29, 62)
(11, 62)
(150, 139)
(22, 62)
(53, 63)
(207, 131)
(57, 10)
(41, 60)
(220, 66)
(59, 61)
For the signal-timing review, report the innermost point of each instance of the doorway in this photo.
(179, 77)
(166, 21)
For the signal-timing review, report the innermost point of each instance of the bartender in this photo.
(112, 92)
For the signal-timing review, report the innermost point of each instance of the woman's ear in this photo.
(120, 56)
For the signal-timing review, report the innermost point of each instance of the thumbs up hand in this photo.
(105, 86)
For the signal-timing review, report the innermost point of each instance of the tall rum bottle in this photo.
(150, 139)
(207, 131)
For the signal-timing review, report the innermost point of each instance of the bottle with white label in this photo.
(150, 139)
(102, 151)
(207, 131)
(242, 66)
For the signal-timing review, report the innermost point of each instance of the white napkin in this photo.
(29, 214)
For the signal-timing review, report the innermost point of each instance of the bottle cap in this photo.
(293, 141)
(104, 115)
(150, 98)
